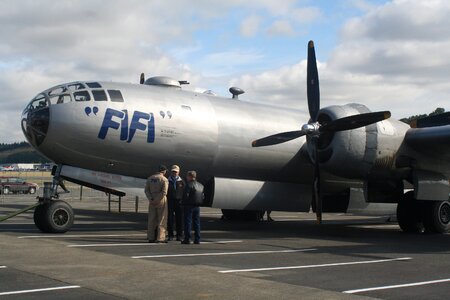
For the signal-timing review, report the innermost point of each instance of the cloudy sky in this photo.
(385, 54)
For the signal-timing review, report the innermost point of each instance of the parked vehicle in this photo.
(11, 185)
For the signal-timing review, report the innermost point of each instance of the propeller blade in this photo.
(312, 84)
(316, 182)
(355, 121)
(277, 138)
(432, 121)
(142, 79)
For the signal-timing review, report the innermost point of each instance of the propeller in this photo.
(142, 79)
(313, 129)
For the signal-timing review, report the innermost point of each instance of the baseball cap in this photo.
(175, 168)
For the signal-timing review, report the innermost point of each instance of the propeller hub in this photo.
(311, 128)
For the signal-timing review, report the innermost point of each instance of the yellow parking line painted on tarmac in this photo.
(317, 266)
(396, 286)
(223, 253)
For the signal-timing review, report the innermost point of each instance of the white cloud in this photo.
(395, 56)
(384, 60)
(226, 62)
(46, 43)
(363, 5)
(281, 28)
(306, 14)
(250, 26)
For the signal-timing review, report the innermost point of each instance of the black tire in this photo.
(54, 217)
(38, 217)
(436, 217)
(32, 190)
(409, 214)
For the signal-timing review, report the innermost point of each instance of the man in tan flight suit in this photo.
(156, 192)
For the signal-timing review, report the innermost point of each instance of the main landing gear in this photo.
(53, 215)
(416, 216)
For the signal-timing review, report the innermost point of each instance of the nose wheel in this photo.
(54, 217)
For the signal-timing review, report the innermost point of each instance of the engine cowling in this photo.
(359, 153)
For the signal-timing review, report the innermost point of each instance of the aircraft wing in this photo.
(427, 152)
(432, 141)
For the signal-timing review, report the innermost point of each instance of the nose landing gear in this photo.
(53, 215)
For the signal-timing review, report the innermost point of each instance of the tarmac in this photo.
(106, 256)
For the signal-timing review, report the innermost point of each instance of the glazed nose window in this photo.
(35, 119)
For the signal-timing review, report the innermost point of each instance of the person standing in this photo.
(174, 197)
(269, 218)
(192, 199)
(156, 192)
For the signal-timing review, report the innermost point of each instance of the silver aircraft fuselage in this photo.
(164, 125)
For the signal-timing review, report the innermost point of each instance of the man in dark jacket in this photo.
(192, 199)
(174, 197)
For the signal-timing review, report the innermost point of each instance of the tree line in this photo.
(410, 119)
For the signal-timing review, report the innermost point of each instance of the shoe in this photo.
(197, 242)
(269, 219)
(178, 238)
(185, 242)
(151, 241)
(170, 238)
(162, 242)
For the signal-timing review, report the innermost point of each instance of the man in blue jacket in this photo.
(192, 199)
(174, 197)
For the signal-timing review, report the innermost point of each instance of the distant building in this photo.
(27, 167)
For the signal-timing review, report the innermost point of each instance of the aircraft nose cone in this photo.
(35, 120)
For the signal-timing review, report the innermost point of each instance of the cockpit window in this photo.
(76, 86)
(58, 99)
(38, 102)
(57, 90)
(93, 85)
(115, 95)
(82, 96)
(99, 95)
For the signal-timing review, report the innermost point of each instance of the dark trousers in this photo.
(191, 217)
(175, 216)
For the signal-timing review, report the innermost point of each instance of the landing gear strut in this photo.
(53, 215)
(416, 216)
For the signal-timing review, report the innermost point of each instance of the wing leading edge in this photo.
(431, 141)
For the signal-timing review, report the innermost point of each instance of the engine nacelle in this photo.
(241, 194)
(362, 152)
